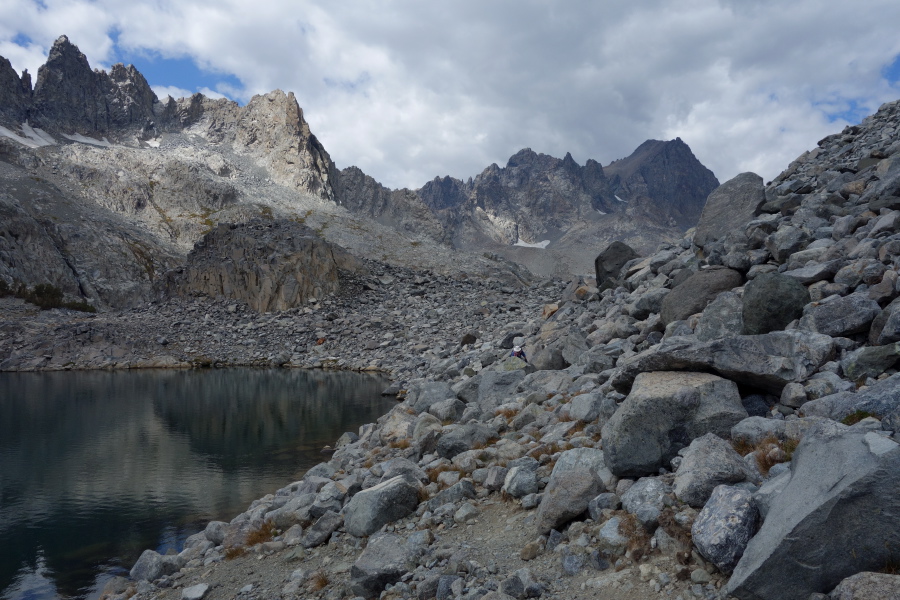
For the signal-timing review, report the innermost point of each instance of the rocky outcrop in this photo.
(272, 266)
(738, 200)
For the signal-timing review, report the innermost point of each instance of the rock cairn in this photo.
(703, 429)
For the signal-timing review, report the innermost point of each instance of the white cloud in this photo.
(409, 90)
(176, 92)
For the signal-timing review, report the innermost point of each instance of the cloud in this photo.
(175, 92)
(409, 90)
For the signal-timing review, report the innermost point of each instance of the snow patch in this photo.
(77, 137)
(601, 212)
(34, 138)
(619, 199)
(540, 245)
(152, 143)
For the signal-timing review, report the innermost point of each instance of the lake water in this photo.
(95, 467)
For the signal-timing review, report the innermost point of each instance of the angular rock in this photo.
(319, 532)
(384, 561)
(768, 361)
(195, 592)
(816, 272)
(521, 481)
(692, 295)
(771, 301)
(385, 503)
(152, 565)
(608, 264)
(737, 200)
(881, 399)
(820, 528)
(841, 317)
(870, 361)
(709, 462)
(462, 438)
(645, 500)
(461, 490)
(785, 241)
(664, 412)
(574, 482)
(722, 318)
(724, 526)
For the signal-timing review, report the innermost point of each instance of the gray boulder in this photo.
(461, 490)
(841, 317)
(724, 527)
(693, 294)
(405, 467)
(608, 264)
(870, 361)
(320, 531)
(574, 482)
(868, 586)
(489, 389)
(722, 318)
(785, 241)
(462, 438)
(152, 565)
(838, 515)
(586, 407)
(450, 409)
(645, 500)
(423, 395)
(768, 361)
(816, 272)
(385, 560)
(771, 301)
(215, 531)
(664, 412)
(886, 326)
(881, 399)
(709, 462)
(521, 481)
(388, 501)
(735, 202)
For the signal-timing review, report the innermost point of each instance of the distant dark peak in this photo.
(522, 157)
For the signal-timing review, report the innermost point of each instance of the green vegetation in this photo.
(856, 417)
(44, 296)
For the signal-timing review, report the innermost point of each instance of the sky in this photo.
(408, 90)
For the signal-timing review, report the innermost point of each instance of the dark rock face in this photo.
(608, 264)
(69, 95)
(771, 301)
(270, 265)
(670, 174)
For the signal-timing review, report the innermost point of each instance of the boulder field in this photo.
(715, 420)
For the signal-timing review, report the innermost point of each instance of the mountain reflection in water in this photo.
(95, 467)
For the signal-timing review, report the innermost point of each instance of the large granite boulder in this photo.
(152, 565)
(768, 361)
(708, 462)
(489, 389)
(664, 412)
(724, 527)
(735, 202)
(841, 317)
(423, 394)
(839, 514)
(384, 503)
(608, 264)
(574, 482)
(771, 301)
(698, 290)
(385, 560)
(721, 318)
(868, 586)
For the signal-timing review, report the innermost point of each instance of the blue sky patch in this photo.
(892, 71)
(178, 72)
(843, 109)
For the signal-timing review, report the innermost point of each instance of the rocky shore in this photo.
(718, 419)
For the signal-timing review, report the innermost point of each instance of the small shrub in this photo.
(508, 413)
(638, 539)
(433, 473)
(856, 417)
(264, 533)
(765, 451)
(234, 552)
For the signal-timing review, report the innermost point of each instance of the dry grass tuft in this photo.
(402, 443)
(638, 539)
(436, 471)
(680, 534)
(485, 444)
(234, 552)
(769, 452)
(264, 533)
(318, 580)
(508, 413)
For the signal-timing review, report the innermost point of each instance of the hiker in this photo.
(518, 353)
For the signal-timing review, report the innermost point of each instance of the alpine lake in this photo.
(97, 466)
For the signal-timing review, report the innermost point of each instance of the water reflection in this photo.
(97, 466)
